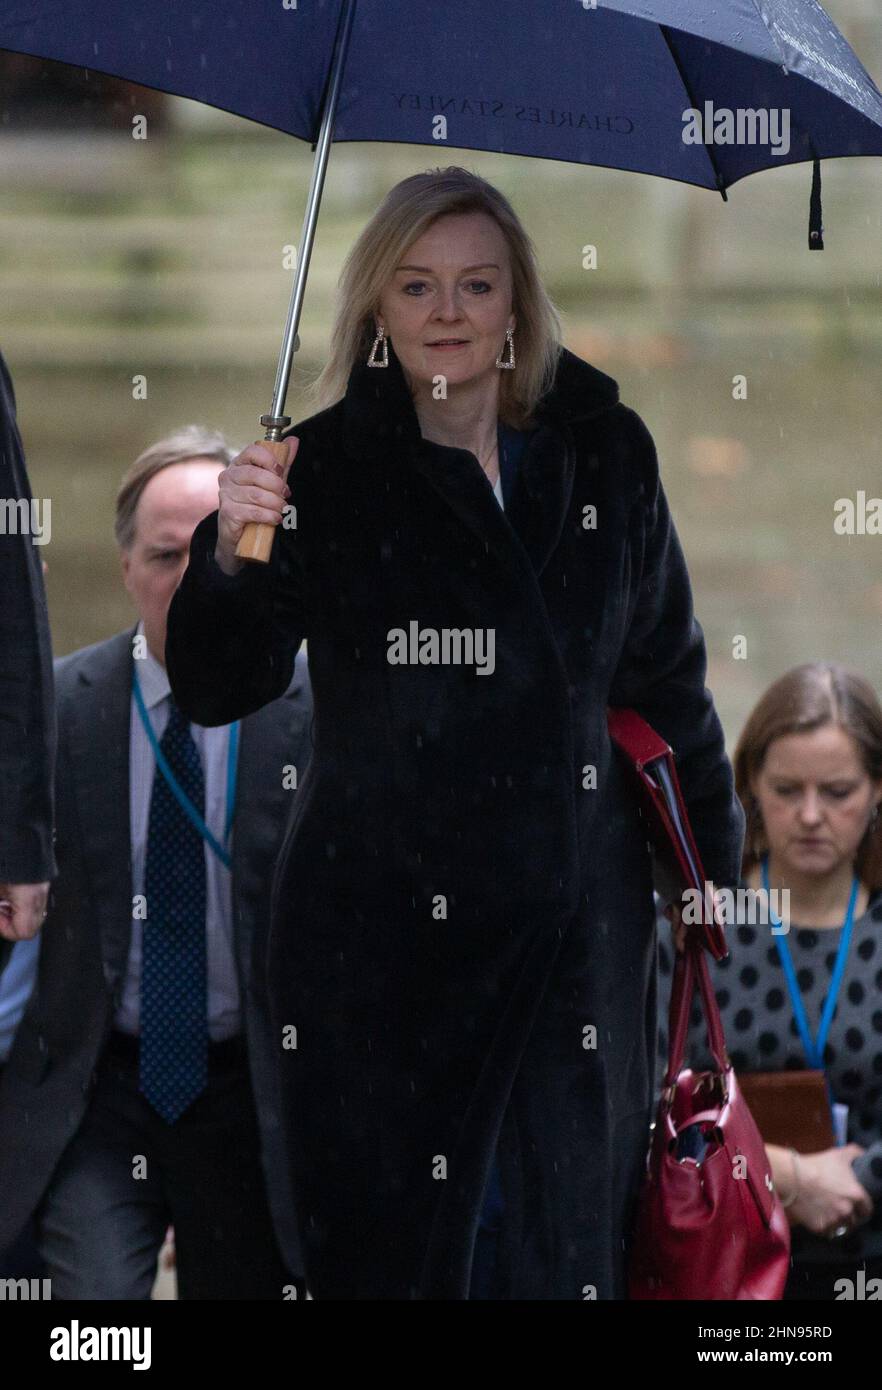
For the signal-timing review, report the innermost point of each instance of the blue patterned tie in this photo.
(174, 1013)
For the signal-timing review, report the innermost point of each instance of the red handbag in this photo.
(709, 1222)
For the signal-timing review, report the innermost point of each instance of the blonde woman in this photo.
(463, 945)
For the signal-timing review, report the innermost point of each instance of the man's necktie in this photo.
(174, 1012)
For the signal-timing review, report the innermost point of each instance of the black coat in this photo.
(27, 712)
(431, 1029)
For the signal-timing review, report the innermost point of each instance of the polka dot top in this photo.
(761, 1035)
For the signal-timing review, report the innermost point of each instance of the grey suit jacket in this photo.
(47, 1081)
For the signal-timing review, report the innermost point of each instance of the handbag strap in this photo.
(691, 967)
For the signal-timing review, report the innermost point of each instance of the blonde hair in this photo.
(190, 442)
(809, 697)
(406, 212)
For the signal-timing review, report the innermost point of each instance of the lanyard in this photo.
(814, 1048)
(175, 786)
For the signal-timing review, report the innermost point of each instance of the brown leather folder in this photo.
(790, 1108)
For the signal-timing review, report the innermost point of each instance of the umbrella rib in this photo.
(721, 185)
(772, 40)
(783, 61)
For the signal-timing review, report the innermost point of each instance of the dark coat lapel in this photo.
(380, 418)
(541, 494)
(98, 722)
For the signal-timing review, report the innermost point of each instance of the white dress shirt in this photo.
(224, 1016)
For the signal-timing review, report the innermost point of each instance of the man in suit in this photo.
(27, 714)
(142, 1086)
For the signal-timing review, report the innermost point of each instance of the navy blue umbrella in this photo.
(702, 91)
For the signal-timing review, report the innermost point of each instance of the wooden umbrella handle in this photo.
(256, 540)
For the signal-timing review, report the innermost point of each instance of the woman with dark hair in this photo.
(479, 550)
(808, 771)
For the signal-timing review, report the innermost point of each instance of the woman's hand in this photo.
(830, 1195)
(253, 488)
(679, 930)
(22, 910)
(674, 914)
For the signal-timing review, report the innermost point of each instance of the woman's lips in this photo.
(447, 347)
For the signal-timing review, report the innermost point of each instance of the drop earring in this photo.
(372, 358)
(509, 343)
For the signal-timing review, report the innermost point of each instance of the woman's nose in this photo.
(448, 305)
(810, 810)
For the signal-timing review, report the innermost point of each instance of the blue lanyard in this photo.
(814, 1048)
(176, 788)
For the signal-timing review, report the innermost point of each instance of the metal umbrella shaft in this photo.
(257, 537)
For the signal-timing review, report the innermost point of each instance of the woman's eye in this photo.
(785, 791)
(414, 286)
(839, 792)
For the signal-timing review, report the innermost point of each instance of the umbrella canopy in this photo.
(704, 94)
(601, 83)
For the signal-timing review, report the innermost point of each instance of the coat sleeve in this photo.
(232, 640)
(27, 701)
(661, 674)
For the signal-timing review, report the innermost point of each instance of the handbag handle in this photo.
(691, 960)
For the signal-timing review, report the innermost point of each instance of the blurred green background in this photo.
(164, 257)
